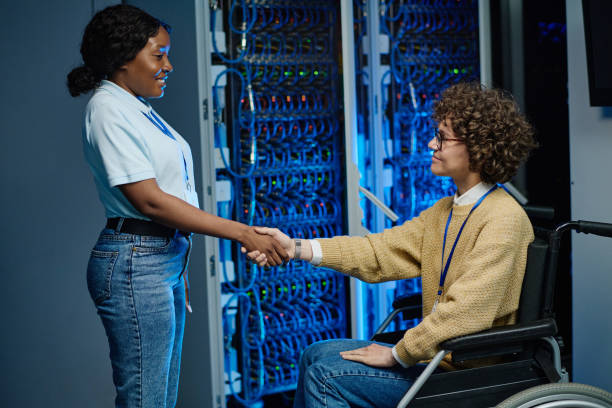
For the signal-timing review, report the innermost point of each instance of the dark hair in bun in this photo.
(113, 37)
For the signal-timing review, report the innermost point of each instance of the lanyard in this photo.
(164, 129)
(450, 255)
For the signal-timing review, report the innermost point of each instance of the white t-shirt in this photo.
(122, 144)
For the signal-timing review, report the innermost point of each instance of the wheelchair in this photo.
(531, 374)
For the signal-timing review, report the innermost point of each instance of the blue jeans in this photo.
(327, 380)
(135, 283)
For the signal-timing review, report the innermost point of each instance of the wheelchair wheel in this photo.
(560, 395)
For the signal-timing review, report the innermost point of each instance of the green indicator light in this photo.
(274, 182)
(463, 70)
(304, 180)
(286, 290)
(319, 179)
(308, 40)
(292, 286)
(263, 291)
(302, 73)
(456, 71)
(324, 283)
(316, 72)
(277, 368)
(280, 290)
(308, 285)
(291, 365)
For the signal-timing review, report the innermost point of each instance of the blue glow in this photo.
(428, 52)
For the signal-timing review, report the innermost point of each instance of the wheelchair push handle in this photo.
(598, 228)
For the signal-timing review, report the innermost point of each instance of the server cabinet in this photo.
(302, 107)
(272, 87)
(419, 47)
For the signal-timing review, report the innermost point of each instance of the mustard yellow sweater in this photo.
(483, 283)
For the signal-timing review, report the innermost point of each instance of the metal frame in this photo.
(209, 204)
(433, 364)
(412, 391)
(484, 39)
(354, 213)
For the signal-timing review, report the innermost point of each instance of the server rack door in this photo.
(272, 86)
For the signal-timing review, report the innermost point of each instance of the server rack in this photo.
(276, 109)
(286, 149)
(419, 47)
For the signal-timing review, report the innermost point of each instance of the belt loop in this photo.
(119, 225)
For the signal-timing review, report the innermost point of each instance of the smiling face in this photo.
(146, 74)
(452, 159)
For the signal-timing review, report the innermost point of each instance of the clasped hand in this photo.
(264, 246)
(261, 258)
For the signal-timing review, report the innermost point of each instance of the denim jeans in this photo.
(327, 380)
(136, 284)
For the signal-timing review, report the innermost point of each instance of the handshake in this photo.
(270, 247)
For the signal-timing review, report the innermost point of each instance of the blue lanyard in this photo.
(164, 129)
(450, 256)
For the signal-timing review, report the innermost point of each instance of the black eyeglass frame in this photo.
(440, 139)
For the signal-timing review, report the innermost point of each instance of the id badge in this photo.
(433, 309)
(192, 197)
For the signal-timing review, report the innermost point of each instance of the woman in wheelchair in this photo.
(469, 250)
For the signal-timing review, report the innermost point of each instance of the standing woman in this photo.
(143, 171)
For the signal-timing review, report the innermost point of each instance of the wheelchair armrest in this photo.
(412, 300)
(409, 306)
(504, 335)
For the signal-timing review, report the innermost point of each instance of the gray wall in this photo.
(53, 349)
(591, 190)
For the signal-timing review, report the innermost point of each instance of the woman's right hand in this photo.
(265, 244)
(284, 240)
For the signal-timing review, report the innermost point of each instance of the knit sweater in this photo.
(482, 286)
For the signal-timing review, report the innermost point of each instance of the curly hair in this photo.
(497, 136)
(113, 37)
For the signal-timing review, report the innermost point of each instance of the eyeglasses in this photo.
(440, 139)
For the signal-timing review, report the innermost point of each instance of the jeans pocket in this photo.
(153, 244)
(100, 273)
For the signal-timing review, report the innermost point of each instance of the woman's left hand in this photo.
(373, 355)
